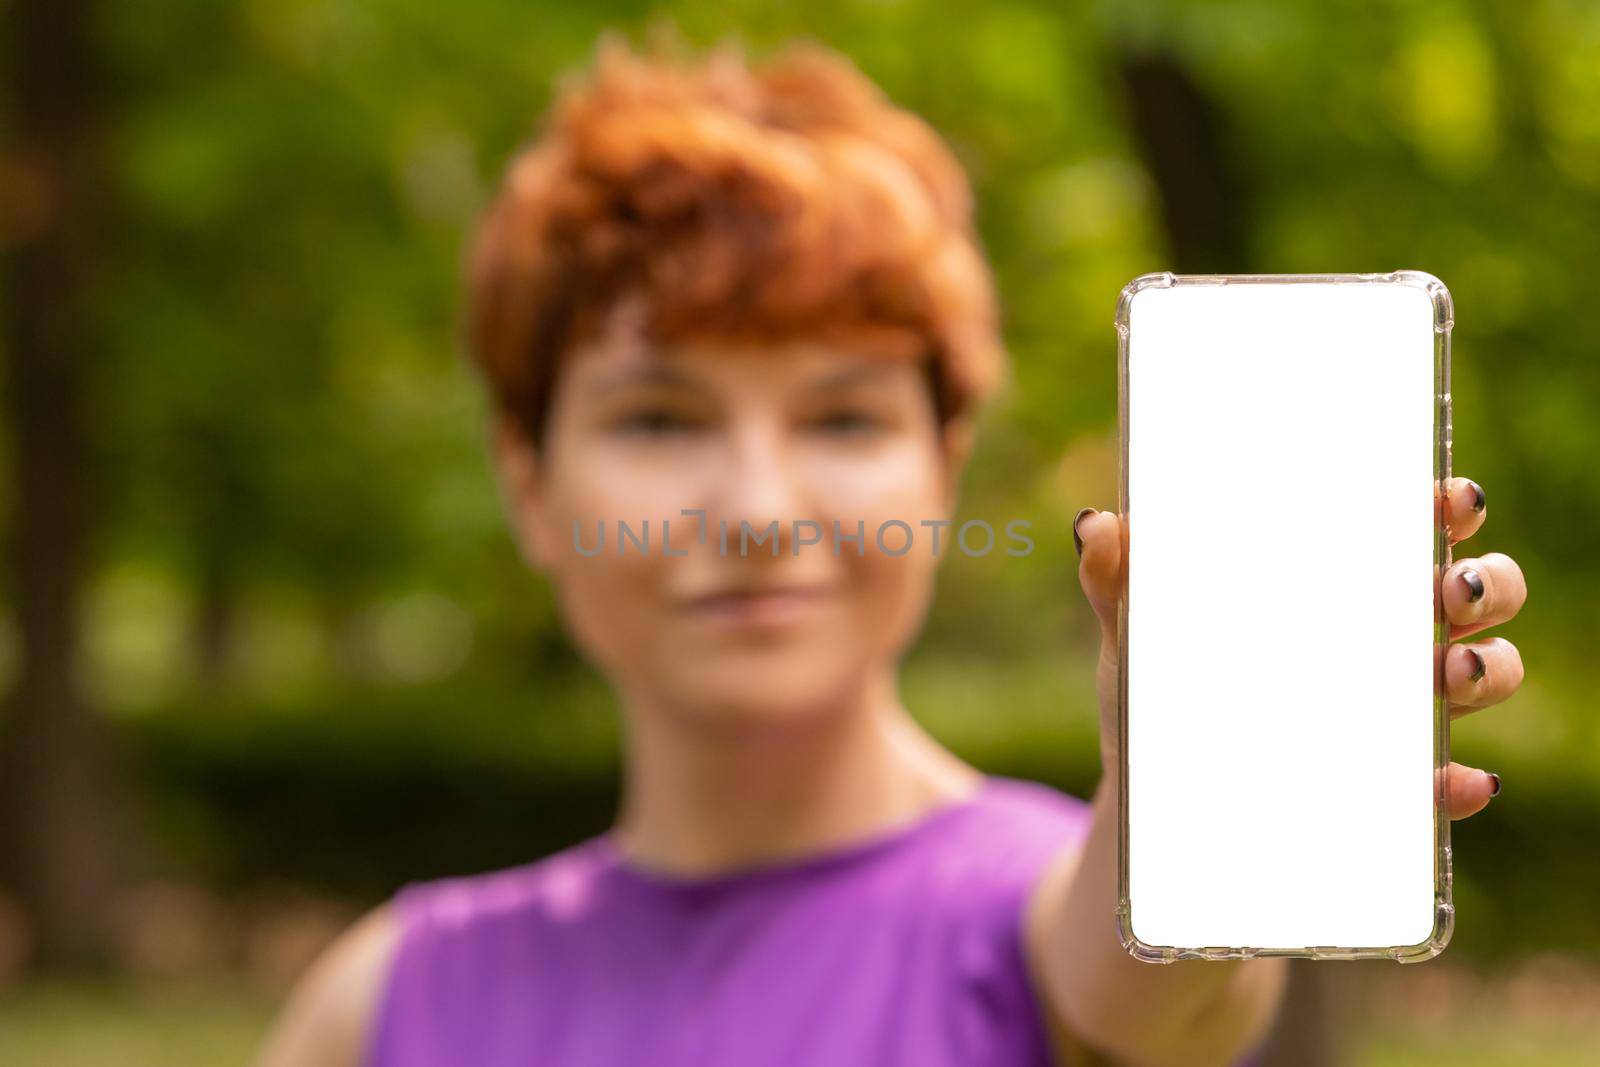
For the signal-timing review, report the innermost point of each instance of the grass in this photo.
(1477, 1045)
(106, 1025)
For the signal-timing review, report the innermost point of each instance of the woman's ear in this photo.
(956, 438)
(522, 489)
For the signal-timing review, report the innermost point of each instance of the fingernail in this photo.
(1481, 667)
(1077, 538)
(1494, 784)
(1474, 583)
(1478, 501)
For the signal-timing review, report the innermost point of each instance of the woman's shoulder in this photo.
(328, 1015)
(1015, 825)
(1030, 807)
(333, 1010)
(972, 866)
(565, 884)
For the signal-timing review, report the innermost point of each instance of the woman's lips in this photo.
(764, 608)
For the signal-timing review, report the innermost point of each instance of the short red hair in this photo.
(781, 201)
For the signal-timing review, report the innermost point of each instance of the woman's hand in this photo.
(1104, 999)
(1479, 592)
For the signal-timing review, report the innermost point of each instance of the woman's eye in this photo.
(846, 422)
(654, 421)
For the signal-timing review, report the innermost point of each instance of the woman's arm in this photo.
(1201, 1011)
(329, 1014)
(1195, 1013)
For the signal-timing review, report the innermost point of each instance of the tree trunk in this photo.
(60, 845)
(1182, 137)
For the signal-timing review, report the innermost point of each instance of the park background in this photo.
(271, 653)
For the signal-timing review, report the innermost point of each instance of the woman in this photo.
(743, 312)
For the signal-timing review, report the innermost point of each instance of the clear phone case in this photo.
(1443, 919)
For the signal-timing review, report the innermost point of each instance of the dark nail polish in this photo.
(1480, 668)
(1474, 583)
(1077, 538)
(1478, 501)
(1494, 784)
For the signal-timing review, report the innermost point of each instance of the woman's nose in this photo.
(761, 492)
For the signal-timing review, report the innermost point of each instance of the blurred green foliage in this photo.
(309, 623)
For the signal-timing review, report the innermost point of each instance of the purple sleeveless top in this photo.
(905, 949)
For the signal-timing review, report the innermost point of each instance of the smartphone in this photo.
(1284, 726)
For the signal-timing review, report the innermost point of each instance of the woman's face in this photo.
(796, 618)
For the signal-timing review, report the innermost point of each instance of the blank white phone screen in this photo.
(1280, 627)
